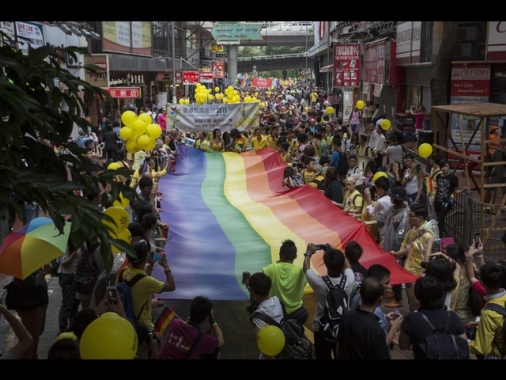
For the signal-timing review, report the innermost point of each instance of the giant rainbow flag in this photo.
(228, 214)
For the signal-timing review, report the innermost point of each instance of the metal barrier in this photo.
(469, 216)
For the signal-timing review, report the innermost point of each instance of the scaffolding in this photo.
(453, 141)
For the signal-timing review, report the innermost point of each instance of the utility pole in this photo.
(174, 96)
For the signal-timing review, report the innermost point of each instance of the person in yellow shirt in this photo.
(258, 141)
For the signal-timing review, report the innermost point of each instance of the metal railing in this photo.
(469, 216)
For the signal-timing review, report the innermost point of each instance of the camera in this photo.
(471, 331)
(321, 246)
(111, 294)
(476, 240)
(245, 277)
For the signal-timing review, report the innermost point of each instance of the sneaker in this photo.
(394, 304)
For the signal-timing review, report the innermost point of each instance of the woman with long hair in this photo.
(217, 143)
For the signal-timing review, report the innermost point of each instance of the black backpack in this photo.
(297, 346)
(441, 345)
(342, 165)
(337, 303)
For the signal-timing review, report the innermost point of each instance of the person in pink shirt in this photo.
(162, 121)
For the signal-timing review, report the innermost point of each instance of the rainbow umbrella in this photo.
(30, 247)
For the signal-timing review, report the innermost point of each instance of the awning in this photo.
(326, 69)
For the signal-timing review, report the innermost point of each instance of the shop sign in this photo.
(124, 92)
(346, 65)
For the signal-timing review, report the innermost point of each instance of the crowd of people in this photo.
(361, 167)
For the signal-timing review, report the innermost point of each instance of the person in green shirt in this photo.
(288, 281)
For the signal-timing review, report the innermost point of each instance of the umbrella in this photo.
(30, 247)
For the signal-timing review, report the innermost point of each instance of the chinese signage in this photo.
(469, 84)
(408, 42)
(206, 117)
(218, 69)
(29, 33)
(132, 37)
(100, 60)
(206, 77)
(374, 63)
(124, 92)
(190, 77)
(262, 83)
(346, 65)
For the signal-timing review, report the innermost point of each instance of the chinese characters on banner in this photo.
(347, 65)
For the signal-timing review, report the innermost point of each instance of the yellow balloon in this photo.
(151, 144)
(128, 117)
(121, 201)
(126, 236)
(360, 104)
(187, 101)
(125, 133)
(131, 146)
(143, 141)
(216, 89)
(425, 150)
(120, 216)
(385, 124)
(378, 175)
(181, 101)
(113, 166)
(271, 340)
(139, 126)
(330, 110)
(109, 338)
(145, 117)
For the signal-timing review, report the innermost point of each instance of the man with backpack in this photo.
(338, 159)
(270, 310)
(490, 340)
(341, 276)
(142, 291)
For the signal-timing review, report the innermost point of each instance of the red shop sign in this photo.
(123, 92)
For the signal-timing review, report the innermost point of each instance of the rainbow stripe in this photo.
(228, 213)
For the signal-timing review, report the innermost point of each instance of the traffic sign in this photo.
(234, 32)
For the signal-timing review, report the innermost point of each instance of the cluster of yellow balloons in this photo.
(139, 132)
(270, 340)
(109, 337)
(360, 104)
(425, 150)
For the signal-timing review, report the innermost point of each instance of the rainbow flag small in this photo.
(164, 319)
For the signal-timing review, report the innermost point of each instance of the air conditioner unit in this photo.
(466, 33)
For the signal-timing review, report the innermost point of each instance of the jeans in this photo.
(69, 303)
